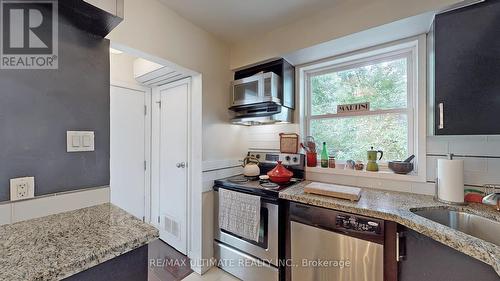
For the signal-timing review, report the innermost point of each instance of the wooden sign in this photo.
(355, 107)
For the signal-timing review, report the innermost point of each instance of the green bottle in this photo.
(324, 157)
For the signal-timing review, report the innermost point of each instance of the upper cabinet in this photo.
(98, 17)
(467, 70)
(114, 7)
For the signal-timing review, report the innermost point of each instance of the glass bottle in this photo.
(324, 157)
(331, 162)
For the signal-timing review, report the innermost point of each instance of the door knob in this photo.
(181, 165)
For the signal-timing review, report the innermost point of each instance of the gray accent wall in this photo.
(37, 107)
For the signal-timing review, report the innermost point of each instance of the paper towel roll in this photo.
(450, 177)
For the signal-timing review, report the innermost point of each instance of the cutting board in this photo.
(334, 190)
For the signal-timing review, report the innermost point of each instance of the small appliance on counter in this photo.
(372, 165)
(251, 167)
(259, 259)
(450, 181)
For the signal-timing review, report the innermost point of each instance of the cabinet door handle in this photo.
(397, 246)
(441, 116)
(399, 256)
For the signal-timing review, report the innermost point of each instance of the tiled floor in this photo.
(171, 265)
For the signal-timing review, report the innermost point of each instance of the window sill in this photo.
(387, 175)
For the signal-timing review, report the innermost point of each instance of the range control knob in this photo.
(295, 159)
(257, 156)
(287, 158)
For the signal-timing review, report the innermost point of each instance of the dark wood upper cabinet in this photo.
(467, 70)
(283, 69)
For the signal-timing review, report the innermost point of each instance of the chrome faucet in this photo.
(493, 197)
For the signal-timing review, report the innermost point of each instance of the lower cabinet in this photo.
(131, 266)
(429, 260)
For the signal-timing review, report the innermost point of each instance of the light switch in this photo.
(79, 141)
(86, 141)
(75, 141)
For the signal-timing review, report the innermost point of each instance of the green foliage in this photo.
(384, 85)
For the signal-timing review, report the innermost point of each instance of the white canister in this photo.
(450, 181)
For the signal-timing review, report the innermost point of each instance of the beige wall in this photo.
(151, 27)
(121, 68)
(346, 17)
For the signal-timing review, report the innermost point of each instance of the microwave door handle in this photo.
(261, 93)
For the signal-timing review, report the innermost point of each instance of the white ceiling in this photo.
(233, 20)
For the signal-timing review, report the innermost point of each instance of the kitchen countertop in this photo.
(57, 246)
(397, 207)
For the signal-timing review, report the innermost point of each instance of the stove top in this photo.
(265, 188)
(254, 185)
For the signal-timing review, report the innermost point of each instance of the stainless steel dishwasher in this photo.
(328, 245)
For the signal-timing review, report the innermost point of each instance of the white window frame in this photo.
(414, 49)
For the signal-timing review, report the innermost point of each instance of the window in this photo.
(386, 79)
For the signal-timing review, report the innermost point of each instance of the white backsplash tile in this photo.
(5, 213)
(476, 165)
(337, 179)
(431, 168)
(209, 176)
(267, 137)
(474, 146)
(494, 171)
(436, 145)
(423, 188)
(390, 185)
(494, 139)
(229, 172)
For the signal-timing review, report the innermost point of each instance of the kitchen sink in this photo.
(471, 224)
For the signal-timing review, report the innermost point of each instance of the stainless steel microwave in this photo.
(259, 88)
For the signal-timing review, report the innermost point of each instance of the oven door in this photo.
(267, 246)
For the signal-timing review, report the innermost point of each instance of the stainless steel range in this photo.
(258, 260)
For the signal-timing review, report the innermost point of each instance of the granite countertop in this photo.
(397, 207)
(57, 246)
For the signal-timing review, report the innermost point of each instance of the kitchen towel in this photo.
(239, 213)
(450, 180)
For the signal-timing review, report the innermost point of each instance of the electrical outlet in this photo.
(22, 188)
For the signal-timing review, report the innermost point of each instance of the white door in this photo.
(128, 149)
(173, 155)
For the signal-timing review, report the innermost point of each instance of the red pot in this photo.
(280, 174)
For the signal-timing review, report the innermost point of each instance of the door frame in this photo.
(199, 223)
(147, 140)
(190, 159)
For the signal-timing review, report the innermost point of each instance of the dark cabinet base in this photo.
(429, 260)
(132, 266)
